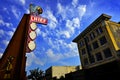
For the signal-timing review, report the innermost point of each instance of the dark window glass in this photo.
(85, 61)
(83, 51)
(92, 59)
(87, 38)
(98, 56)
(95, 45)
(103, 40)
(89, 48)
(81, 43)
(107, 53)
(92, 36)
(99, 30)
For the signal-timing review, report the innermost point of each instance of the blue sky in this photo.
(66, 19)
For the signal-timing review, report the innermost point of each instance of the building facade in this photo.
(58, 72)
(99, 43)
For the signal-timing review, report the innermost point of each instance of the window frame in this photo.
(98, 56)
(99, 30)
(106, 51)
(95, 45)
(102, 40)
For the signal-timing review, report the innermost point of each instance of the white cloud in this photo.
(13, 29)
(50, 42)
(71, 25)
(5, 42)
(69, 20)
(74, 3)
(70, 11)
(54, 43)
(27, 11)
(81, 10)
(71, 51)
(50, 53)
(32, 58)
(52, 23)
(23, 2)
(53, 56)
(15, 12)
(10, 33)
(60, 8)
(76, 22)
(66, 34)
(61, 11)
(1, 32)
(59, 43)
(68, 15)
(1, 55)
(42, 33)
(92, 3)
(3, 23)
(6, 10)
(71, 15)
(38, 31)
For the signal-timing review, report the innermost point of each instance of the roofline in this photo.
(99, 19)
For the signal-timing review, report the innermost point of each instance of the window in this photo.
(87, 38)
(103, 40)
(92, 59)
(85, 61)
(107, 53)
(81, 43)
(89, 48)
(92, 36)
(95, 45)
(98, 56)
(99, 30)
(83, 51)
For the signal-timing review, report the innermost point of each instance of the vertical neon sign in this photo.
(34, 19)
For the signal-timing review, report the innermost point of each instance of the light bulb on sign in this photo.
(33, 26)
(31, 45)
(32, 35)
